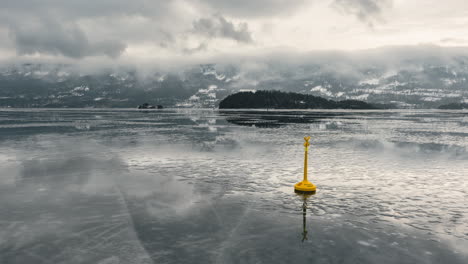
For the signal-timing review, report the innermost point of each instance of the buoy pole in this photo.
(306, 145)
(305, 186)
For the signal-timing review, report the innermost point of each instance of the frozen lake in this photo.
(204, 186)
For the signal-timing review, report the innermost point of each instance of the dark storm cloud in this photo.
(254, 8)
(49, 37)
(367, 11)
(218, 27)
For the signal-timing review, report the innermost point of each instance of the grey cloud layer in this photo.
(254, 8)
(78, 29)
(218, 26)
(88, 8)
(87, 28)
(367, 11)
(49, 37)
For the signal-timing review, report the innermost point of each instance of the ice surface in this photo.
(206, 186)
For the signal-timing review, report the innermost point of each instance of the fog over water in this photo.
(209, 186)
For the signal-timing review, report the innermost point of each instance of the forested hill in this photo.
(283, 100)
(454, 106)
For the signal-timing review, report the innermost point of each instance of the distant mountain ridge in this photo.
(283, 100)
(408, 82)
(38, 85)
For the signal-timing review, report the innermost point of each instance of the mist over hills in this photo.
(418, 77)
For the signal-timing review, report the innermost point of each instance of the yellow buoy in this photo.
(305, 186)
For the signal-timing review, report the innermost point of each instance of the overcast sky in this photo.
(166, 29)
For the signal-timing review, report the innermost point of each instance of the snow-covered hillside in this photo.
(417, 83)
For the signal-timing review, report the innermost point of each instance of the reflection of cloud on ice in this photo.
(68, 170)
(66, 200)
(9, 169)
(405, 149)
(174, 199)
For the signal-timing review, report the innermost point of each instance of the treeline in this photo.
(286, 100)
(454, 106)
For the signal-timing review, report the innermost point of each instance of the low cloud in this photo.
(218, 27)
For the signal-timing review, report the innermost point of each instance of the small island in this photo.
(284, 100)
(148, 106)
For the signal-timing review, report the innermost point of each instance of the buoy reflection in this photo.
(305, 199)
